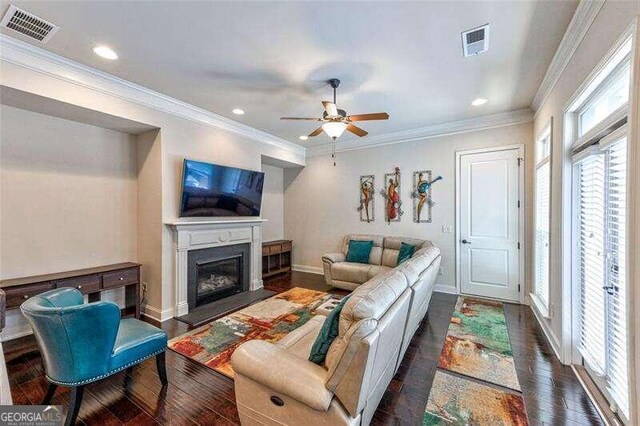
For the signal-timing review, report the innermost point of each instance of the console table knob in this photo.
(79, 287)
(121, 278)
(25, 297)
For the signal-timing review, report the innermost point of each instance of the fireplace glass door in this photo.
(217, 279)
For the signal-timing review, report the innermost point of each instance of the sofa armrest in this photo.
(334, 257)
(283, 372)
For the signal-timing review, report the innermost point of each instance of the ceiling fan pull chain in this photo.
(333, 152)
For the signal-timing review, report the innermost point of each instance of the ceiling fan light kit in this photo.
(334, 129)
(336, 121)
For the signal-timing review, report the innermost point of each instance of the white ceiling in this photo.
(271, 59)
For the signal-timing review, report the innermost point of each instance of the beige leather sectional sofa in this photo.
(348, 275)
(277, 384)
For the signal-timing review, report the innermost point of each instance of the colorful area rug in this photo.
(270, 320)
(477, 346)
(457, 401)
(477, 343)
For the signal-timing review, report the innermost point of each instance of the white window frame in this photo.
(544, 308)
(571, 140)
(591, 99)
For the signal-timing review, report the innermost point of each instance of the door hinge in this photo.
(518, 288)
(518, 203)
(520, 160)
(518, 245)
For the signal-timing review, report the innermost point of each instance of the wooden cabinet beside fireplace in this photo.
(276, 257)
(90, 281)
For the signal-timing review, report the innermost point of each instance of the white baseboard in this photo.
(548, 332)
(157, 314)
(309, 269)
(443, 288)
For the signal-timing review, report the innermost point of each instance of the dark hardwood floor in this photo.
(198, 395)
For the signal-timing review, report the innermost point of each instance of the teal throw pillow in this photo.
(327, 335)
(406, 251)
(359, 251)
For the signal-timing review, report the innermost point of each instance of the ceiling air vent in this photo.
(475, 41)
(28, 24)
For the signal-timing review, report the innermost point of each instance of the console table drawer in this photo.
(120, 278)
(86, 284)
(275, 249)
(286, 246)
(17, 295)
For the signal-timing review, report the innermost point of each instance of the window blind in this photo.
(541, 287)
(616, 177)
(601, 236)
(591, 245)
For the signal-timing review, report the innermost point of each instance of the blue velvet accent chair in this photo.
(82, 343)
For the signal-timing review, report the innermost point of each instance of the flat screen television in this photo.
(215, 190)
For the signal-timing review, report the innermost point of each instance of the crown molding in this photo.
(455, 127)
(40, 60)
(583, 17)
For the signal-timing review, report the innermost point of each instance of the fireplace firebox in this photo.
(217, 272)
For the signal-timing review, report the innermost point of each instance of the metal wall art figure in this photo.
(422, 195)
(367, 190)
(393, 205)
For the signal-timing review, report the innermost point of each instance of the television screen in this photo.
(214, 190)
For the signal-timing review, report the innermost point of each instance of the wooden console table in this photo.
(90, 281)
(276, 257)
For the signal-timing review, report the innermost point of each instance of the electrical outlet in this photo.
(144, 287)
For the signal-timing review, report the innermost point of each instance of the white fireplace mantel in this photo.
(200, 234)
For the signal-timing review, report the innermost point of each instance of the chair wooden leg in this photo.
(74, 405)
(162, 368)
(49, 396)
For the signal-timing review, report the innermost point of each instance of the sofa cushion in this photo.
(350, 272)
(300, 340)
(418, 264)
(359, 251)
(405, 253)
(375, 257)
(395, 243)
(371, 300)
(326, 336)
(375, 270)
(390, 257)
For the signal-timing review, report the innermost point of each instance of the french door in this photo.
(600, 236)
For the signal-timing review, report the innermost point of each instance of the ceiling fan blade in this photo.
(301, 118)
(367, 117)
(316, 132)
(357, 130)
(331, 108)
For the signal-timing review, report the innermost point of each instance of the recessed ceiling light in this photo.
(238, 111)
(105, 52)
(479, 101)
(303, 137)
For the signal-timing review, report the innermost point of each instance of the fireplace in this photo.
(217, 272)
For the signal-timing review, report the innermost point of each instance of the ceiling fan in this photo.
(336, 121)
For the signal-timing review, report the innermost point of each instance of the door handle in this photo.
(465, 242)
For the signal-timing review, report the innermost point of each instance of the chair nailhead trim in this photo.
(102, 376)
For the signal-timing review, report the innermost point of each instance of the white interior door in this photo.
(489, 224)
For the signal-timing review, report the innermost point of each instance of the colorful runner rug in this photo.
(270, 320)
(457, 401)
(477, 346)
(477, 343)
